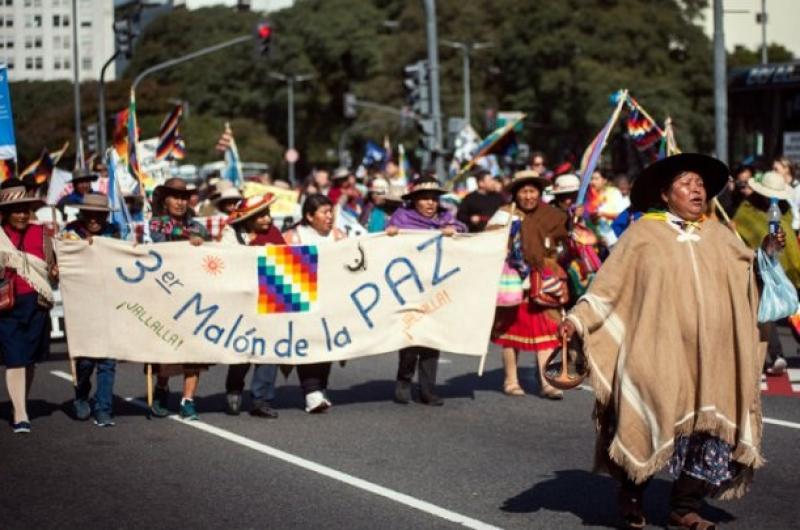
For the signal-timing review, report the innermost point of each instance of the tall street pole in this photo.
(764, 58)
(720, 85)
(76, 88)
(436, 106)
(101, 103)
(466, 50)
(290, 80)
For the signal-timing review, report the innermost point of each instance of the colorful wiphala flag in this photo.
(591, 157)
(287, 279)
(179, 149)
(6, 169)
(168, 133)
(642, 129)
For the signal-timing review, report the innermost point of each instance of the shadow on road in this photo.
(593, 499)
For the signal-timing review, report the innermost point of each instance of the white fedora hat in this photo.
(771, 184)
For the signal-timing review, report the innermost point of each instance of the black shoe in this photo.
(402, 392)
(233, 403)
(429, 398)
(262, 409)
(159, 408)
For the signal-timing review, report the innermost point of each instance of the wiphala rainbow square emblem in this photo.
(287, 279)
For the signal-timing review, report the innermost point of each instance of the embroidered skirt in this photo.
(24, 332)
(525, 327)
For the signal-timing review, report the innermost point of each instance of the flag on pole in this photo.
(119, 210)
(168, 133)
(498, 142)
(643, 130)
(119, 137)
(233, 165)
(8, 143)
(669, 146)
(6, 169)
(373, 154)
(591, 157)
(133, 141)
(402, 165)
(179, 149)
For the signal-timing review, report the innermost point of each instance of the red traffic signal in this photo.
(264, 34)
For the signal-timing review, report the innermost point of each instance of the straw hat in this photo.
(527, 176)
(82, 174)
(424, 184)
(647, 188)
(771, 184)
(93, 202)
(19, 195)
(229, 194)
(379, 186)
(567, 183)
(251, 207)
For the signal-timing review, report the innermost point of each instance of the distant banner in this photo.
(176, 303)
(8, 144)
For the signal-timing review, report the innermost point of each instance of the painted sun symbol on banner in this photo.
(287, 279)
(213, 265)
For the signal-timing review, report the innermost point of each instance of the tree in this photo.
(743, 56)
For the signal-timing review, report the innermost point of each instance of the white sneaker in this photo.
(778, 367)
(316, 402)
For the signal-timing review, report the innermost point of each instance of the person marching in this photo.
(27, 271)
(315, 227)
(669, 329)
(536, 230)
(173, 221)
(421, 212)
(82, 180)
(252, 225)
(93, 222)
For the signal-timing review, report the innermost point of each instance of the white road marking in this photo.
(289, 458)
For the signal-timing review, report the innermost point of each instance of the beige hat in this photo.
(379, 186)
(771, 184)
(527, 176)
(566, 183)
(93, 202)
(229, 194)
(19, 195)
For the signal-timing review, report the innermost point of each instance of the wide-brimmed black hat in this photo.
(82, 174)
(646, 191)
(172, 187)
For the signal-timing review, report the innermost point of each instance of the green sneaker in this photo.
(159, 407)
(188, 412)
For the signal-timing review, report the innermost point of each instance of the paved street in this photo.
(483, 460)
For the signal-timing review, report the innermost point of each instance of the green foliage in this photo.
(743, 56)
(556, 60)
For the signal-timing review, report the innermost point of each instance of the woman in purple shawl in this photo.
(421, 212)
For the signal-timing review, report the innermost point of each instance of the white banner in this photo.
(218, 303)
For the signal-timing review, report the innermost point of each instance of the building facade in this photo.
(36, 39)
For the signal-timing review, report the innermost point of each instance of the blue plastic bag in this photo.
(779, 297)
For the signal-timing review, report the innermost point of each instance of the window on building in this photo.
(65, 21)
(57, 42)
(37, 21)
(67, 63)
(56, 21)
(28, 42)
(37, 42)
(2, 42)
(86, 63)
(29, 63)
(10, 63)
(57, 63)
(27, 3)
(37, 3)
(86, 24)
(39, 63)
(9, 2)
(66, 42)
(9, 22)
(9, 43)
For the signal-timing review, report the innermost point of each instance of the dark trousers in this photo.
(686, 497)
(104, 395)
(428, 360)
(313, 377)
(262, 386)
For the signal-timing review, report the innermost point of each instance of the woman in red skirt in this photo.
(536, 230)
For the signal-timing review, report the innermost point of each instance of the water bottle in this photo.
(774, 217)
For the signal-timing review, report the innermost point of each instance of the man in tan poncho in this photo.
(669, 329)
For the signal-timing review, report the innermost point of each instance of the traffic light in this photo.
(427, 140)
(350, 102)
(264, 34)
(416, 83)
(124, 33)
(92, 138)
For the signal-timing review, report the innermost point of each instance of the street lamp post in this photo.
(101, 102)
(290, 80)
(466, 50)
(76, 88)
(720, 85)
(436, 105)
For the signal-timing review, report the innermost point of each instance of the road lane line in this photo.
(289, 458)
